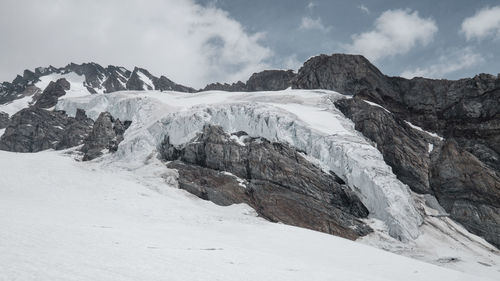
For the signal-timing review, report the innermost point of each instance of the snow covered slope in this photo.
(67, 220)
(307, 120)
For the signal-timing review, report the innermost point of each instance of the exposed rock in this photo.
(136, 83)
(106, 134)
(270, 80)
(52, 93)
(235, 87)
(34, 129)
(273, 178)
(165, 84)
(468, 190)
(75, 132)
(267, 80)
(405, 149)
(4, 120)
(346, 74)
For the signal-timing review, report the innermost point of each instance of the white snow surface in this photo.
(67, 220)
(422, 130)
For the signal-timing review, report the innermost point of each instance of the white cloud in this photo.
(395, 32)
(485, 23)
(189, 43)
(291, 62)
(309, 23)
(364, 9)
(311, 5)
(453, 61)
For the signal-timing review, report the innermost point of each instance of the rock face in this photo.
(270, 80)
(4, 120)
(404, 148)
(106, 134)
(468, 190)
(267, 80)
(51, 94)
(273, 178)
(35, 129)
(463, 173)
(346, 74)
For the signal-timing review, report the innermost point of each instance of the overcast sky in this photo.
(197, 42)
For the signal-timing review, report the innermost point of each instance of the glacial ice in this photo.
(303, 118)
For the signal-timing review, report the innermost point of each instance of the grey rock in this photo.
(405, 149)
(468, 190)
(52, 93)
(106, 134)
(165, 84)
(270, 80)
(35, 129)
(4, 120)
(279, 183)
(235, 87)
(267, 80)
(135, 82)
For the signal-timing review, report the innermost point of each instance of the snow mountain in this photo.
(205, 175)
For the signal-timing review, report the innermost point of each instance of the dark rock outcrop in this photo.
(165, 84)
(270, 80)
(4, 120)
(468, 190)
(273, 178)
(106, 134)
(35, 129)
(136, 83)
(235, 87)
(405, 149)
(52, 93)
(267, 80)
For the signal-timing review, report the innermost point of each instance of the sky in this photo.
(199, 42)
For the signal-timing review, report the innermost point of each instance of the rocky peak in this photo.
(346, 74)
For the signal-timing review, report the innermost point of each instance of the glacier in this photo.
(307, 120)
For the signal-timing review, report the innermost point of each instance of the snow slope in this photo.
(67, 220)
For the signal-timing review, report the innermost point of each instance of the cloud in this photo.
(190, 43)
(364, 9)
(395, 32)
(309, 23)
(485, 23)
(453, 61)
(311, 6)
(292, 62)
